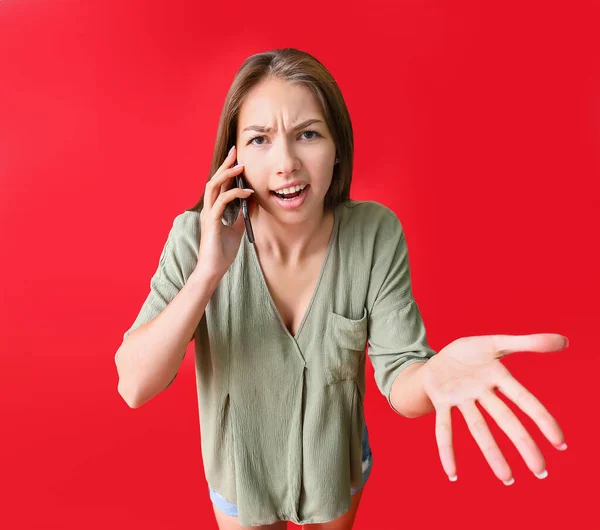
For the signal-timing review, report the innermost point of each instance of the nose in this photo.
(286, 161)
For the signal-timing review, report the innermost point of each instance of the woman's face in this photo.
(276, 153)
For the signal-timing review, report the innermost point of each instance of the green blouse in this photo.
(281, 416)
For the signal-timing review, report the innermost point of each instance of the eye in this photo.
(256, 137)
(314, 132)
(252, 140)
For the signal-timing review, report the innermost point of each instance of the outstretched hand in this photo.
(469, 370)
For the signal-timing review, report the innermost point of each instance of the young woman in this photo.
(281, 324)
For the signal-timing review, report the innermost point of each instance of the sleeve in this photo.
(396, 333)
(177, 261)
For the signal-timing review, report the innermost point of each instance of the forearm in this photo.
(149, 358)
(408, 396)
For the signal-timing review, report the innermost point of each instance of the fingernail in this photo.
(562, 446)
(231, 150)
(509, 482)
(453, 478)
(566, 342)
(248, 189)
(541, 475)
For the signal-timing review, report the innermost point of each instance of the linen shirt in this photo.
(281, 416)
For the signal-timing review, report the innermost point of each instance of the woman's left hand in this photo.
(469, 370)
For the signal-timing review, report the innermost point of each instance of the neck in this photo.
(290, 244)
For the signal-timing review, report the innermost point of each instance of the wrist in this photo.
(204, 278)
(408, 397)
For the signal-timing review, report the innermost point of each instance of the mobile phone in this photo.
(232, 209)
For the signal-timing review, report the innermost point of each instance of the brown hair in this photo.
(293, 66)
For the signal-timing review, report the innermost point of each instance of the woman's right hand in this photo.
(219, 243)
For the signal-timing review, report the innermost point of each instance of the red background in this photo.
(477, 124)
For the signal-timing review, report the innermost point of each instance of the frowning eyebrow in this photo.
(262, 129)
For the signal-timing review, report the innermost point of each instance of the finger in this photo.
(239, 225)
(226, 186)
(220, 180)
(443, 436)
(229, 159)
(218, 208)
(482, 435)
(531, 406)
(227, 163)
(537, 342)
(213, 186)
(514, 429)
(496, 346)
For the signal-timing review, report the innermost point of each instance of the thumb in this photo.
(238, 225)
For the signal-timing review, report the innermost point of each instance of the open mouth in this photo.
(291, 201)
(290, 196)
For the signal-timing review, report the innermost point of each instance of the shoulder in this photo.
(371, 219)
(180, 253)
(185, 229)
(187, 222)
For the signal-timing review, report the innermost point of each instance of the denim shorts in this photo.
(229, 508)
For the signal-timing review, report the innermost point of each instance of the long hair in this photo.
(293, 66)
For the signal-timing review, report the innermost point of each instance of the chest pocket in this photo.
(346, 341)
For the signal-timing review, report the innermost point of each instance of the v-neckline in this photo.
(265, 287)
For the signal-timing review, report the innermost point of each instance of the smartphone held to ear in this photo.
(232, 209)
